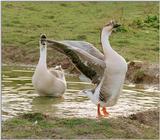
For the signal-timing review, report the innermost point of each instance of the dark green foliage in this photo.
(122, 29)
(151, 21)
(138, 23)
(33, 116)
(81, 37)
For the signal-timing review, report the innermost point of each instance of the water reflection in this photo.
(45, 104)
(18, 96)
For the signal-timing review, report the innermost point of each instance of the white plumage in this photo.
(111, 84)
(48, 82)
(114, 73)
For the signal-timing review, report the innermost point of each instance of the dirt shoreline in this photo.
(143, 125)
(138, 72)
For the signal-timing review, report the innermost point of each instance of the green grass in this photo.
(24, 126)
(23, 22)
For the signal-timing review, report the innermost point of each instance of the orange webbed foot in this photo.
(105, 113)
(99, 115)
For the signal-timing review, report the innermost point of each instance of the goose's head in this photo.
(42, 41)
(109, 27)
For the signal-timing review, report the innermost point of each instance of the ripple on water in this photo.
(19, 96)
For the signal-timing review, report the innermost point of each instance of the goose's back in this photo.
(47, 84)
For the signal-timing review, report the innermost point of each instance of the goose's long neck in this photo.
(43, 57)
(105, 43)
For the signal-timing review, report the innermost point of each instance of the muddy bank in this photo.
(142, 72)
(138, 72)
(30, 56)
(143, 125)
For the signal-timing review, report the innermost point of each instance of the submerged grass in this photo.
(23, 22)
(36, 125)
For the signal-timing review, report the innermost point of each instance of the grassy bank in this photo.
(143, 125)
(23, 22)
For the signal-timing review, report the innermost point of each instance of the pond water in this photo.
(19, 96)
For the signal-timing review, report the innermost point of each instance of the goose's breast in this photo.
(116, 64)
(41, 79)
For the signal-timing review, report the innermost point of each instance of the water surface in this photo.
(19, 96)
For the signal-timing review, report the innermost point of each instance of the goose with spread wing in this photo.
(48, 82)
(87, 58)
(108, 90)
(107, 69)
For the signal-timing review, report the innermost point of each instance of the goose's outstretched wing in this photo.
(86, 46)
(83, 55)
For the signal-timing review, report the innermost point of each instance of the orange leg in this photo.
(105, 112)
(98, 111)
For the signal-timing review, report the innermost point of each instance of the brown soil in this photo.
(13, 54)
(138, 71)
(143, 125)
(141, 72)
(29, 56)
(150, 117)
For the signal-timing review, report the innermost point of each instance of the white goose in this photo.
(107, 71)
(48, 82)
(108, 90)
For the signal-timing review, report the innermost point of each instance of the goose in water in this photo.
(107, 70)
(48, 82)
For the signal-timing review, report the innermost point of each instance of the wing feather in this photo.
(93, 68)
(86, 46)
